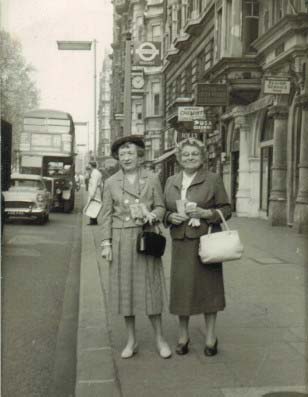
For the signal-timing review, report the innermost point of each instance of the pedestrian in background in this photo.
(191, 197)
(94, 188)
(133, 197)
(87, 177)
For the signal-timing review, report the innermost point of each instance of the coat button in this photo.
(127, 218)
(126, 201)
(137, 201)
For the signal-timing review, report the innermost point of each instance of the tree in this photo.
(18, 93)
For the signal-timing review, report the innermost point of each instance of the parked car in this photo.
(27, 197)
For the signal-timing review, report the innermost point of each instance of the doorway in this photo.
(266, 177)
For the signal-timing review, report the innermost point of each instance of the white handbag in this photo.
(221, 246)
(93, 208)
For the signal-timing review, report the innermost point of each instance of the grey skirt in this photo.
(195, 287)
(137, 282)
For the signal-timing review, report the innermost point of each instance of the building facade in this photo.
(137, 77)
(245, 63)
(104, 108)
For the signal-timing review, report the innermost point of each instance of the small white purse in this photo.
(221, 246)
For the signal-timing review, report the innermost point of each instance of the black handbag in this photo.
(151, 243)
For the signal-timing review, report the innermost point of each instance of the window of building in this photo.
(139, 111)
(179, 17)
(218, 33)
(155, 99)
(139, 28)
(228, 22)
(278, 11)
(200, 65)
(251, 24)
(209, 55)
(178, 86)
(188, 81)
(203, 4)
(156, 32)
(265, 20)
(189, 8)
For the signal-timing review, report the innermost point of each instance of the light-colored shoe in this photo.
(128, 352)
(164, 350)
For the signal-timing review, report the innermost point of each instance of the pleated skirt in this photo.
(137, 282)
(195, 288)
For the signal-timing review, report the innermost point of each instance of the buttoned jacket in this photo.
(119, 193)
(207, 190)
(94, 188)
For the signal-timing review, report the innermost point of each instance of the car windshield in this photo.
(27, 183)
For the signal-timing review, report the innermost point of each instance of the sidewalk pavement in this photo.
(262, 332)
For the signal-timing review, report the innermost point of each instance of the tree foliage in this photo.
(18, 93)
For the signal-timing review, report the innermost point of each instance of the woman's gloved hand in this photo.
(107, 253)
(176, 219)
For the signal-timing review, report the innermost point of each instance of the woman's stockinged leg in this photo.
(210, 324)
(131, 346)
(183, 329)
(162, 345)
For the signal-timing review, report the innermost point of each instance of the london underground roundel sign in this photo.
(147, 54)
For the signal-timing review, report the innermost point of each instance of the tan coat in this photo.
(118, 194)
(136, 281)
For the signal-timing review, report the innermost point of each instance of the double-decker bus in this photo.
(47, 148)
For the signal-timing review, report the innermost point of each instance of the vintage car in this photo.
(27, 197)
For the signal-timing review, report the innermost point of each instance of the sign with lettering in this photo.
(148, 54)
(203, 125)
(190, 113)
(279, 86)
(212, 94)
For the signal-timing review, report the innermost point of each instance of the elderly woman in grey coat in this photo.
(132, 197)
(192, 197)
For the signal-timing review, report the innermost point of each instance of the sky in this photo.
(65, 79)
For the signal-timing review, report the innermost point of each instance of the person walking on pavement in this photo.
(131, 198)
(87, 177)
(191, 197)
(94, 187)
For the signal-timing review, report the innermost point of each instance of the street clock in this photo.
(138, 82)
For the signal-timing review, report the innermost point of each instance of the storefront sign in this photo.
(203, 125)
(212, 94)
(190, 113)
(148, 54)
(277, 86)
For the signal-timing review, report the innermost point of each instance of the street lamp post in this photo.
(84, 46)
(127, 122)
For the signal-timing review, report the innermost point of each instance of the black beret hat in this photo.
(136, 139)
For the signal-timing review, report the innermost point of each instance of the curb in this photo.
(95, 372)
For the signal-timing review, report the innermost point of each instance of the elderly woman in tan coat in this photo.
(192, 197)
(132, 197)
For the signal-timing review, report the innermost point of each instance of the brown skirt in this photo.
(194, 287)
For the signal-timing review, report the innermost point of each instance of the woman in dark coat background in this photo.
(195, 288)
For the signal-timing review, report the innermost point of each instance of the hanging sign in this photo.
(280, 86)
(190, 113)
(212, 94)
(147, 54)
